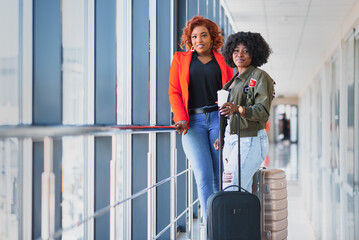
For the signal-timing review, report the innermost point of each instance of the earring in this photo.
(192, 48)
(211, 45)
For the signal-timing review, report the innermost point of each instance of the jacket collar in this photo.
(244, 75)
(186, 61)
(190, 53)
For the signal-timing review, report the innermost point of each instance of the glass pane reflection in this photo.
(349, 77)
(73, 185)
(75, 111)
(9, 189)
(9, 62)
(123, 185)
(73, 67)
(350, 218)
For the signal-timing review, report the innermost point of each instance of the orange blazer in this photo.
(179, 79)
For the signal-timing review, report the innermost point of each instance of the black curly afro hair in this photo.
(258, 48)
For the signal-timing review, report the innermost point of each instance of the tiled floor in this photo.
(284, 156)
(299, 226)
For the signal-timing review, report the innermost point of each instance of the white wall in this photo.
(326, 158)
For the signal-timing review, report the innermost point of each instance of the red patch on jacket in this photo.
(253, 82)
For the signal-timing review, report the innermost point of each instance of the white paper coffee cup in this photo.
(222, 96)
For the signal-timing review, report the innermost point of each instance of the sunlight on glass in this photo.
(73, 185)
(73, 67)
(9, 62)
(9, 189)
(74, 112)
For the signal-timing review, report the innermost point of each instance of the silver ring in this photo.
(229, 107)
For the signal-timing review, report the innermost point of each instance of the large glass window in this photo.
(348, 163)
(10, 183)
(319, 119)
(356, 141)
(73, 65)
(77, 75)
(9, 62)
(335, 97)
(9, 189)
(335, 108)
(318, 132)
(123, 25)
(123, 57)
(73, 185)
(349, 78)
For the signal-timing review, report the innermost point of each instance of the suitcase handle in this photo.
(236, 187)
(221, 141)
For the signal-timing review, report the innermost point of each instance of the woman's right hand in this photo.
(181, 126)
(228, 108)
(216, 144)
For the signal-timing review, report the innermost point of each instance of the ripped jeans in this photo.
(253, 152)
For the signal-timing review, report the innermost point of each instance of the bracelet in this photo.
(241, 110)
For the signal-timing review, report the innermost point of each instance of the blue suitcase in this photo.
(232, 214)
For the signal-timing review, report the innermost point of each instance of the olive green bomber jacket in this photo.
(254, 90)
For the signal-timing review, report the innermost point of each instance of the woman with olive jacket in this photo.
(194, 79)
(251, 94)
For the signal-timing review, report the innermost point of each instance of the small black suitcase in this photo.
(232, 214)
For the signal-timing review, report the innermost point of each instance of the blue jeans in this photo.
(204, 159)
(253, 152)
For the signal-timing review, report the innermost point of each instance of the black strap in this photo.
(222, 120)
(221, 143)
(239, 150)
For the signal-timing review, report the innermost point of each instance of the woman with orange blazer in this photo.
(194, 80)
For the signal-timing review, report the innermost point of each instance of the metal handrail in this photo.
(106, 209)
(41, 131)
(177, 218)
(47, 132)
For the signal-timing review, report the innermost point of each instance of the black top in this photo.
(204, 82)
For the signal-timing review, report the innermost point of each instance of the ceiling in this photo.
(298, 31)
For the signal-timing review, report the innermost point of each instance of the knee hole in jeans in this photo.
(227, 177)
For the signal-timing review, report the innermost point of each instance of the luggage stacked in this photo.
(270, 186)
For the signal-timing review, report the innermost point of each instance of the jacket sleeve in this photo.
(262, 95)
(175, 91)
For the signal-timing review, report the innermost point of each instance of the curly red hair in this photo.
(213, 30)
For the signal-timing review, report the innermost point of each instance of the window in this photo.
(9, 189)
(349, 83)
(78, 108)
(10, 182)
(9, 62)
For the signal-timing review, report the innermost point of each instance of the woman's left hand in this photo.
(228, 109)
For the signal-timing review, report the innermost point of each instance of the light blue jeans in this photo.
(204, 159)
(253, 152)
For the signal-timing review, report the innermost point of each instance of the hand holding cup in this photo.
(222, 97)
